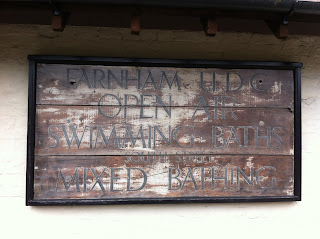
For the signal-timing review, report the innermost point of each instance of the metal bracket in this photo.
(290, 13)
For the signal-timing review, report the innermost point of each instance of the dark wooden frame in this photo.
(34, 60)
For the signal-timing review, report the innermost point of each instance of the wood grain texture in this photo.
(276, 181)
(86, 121)
(54, 87)
(116, 132)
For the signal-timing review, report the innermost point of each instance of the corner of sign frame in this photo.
(32, 57)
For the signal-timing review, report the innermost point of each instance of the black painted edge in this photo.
(183, 63)
(35, 59)
(297, 134)
(31, 132)
(174, 200)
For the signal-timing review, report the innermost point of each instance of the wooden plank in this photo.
(89, 177)
(84, 130)
(86, 85)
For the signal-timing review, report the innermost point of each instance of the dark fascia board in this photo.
(267, 5)
(276, 6)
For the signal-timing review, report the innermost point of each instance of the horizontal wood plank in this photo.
(87, 85)
(108, 177)
(84, 130)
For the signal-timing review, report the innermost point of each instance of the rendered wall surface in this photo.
(236, 220)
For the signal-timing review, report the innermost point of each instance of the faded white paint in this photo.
(263, 220)
(249, 162)
(276, 88)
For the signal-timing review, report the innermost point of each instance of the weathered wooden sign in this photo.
(109, 131)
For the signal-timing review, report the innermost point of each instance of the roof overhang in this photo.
(279, 6)
(298, 17)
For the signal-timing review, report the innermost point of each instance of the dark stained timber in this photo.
(179, 175)
(85, 131)
(116, 131)
(85, 85)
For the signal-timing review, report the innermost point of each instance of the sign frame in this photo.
(69, 60)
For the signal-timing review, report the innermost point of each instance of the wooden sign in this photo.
(112, 131)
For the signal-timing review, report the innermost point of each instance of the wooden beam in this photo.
(135, 24)
(57, 22)
(209, 26)
(279, 29)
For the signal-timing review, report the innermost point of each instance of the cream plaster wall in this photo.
(243, 220)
